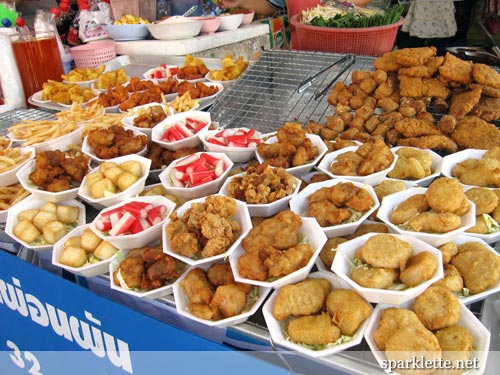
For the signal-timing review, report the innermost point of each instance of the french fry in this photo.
(32, 132)
(10, 157)
(10, 195)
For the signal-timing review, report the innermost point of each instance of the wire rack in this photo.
(265, 97)
(17, 115)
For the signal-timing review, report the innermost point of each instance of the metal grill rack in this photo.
(265, 97)
(17, 115)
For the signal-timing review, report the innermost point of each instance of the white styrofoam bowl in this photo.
(10, 177)
(437, 162)
(451, 161)
(342, 266)
(122, 33)
(173, 30)
(236, 154)
(62, 143)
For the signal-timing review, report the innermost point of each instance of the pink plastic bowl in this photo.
(210, 24)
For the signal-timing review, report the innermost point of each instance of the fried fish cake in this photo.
(304, 298)
(410, 207)
(327, 253)
(347, 309)
(455, 69)
(413, 341)
(390, 321)
(479, 269)
(441, 222)
(419, 268)
(437, 307)
(485, 199)
(386, 251)
(452, 279)
(456, 344)
(313, 330)
(374, 277)
(449, 249)
(445, 194)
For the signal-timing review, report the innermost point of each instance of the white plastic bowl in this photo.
(175, 29)
(236, 154)
(37, 97)
(33, 203)
(468, 320)
(311, 231)
(82, 84)
(87, 270)
(451, 161)
(342, 266)
(226, 83)
(278, 336)
(301, 169)
(62, 143)
(150, 73)
(147, 236)
(230, 22)
(390, 202)
(23, 177)
(126, 32)
(134, 189)
(128, 121)
(242, 216)
(437, 162)
(300, 205)
(182, 302)
(191, 141)
(211, 187)
(87, 149)
(149, 294)
(371, 179)
(10, 177)
(264, 209)
(4, 213)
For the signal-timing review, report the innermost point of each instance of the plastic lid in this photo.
(20, 22)
(55, 11)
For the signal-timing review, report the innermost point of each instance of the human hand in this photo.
(224, 4)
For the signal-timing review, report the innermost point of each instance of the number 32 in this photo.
(28, 356)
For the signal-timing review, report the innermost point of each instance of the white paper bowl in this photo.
(181, 29)
(279, 338)
(371, 179)
(134, 189)
(126, 32)
(88, 270)
(437, 162)
(37, 97)
(226, 83)
(149, 294)
(390, 202)
(82, 84)
(236, 154)
(147, 236)
(265, 209)
(493, 289)
(300, 205)
(242, 216)
(451, 161)
(191, 141)
(4, 213)
(479, 332)
(230, 22)
(208, 188)
(345, 254)
(311, 231)
(301, 169)
(489, 238)
(10, 177)
(87, 150)
(33, 203)
(61, 143)
(128, 121)
(182, 302)
(149, 74)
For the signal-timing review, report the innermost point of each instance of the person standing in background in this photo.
(264, 7)
(28, 8)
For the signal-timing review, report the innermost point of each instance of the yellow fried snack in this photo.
(385, 250)
(419, 268)
(388, 187)
(445, 194)
(437, 307)
(374, 277)
(230, 69)
(111, 78)
(410, 207)
(479, 269)
(452, 279)
(449, 249)
(313, 330)
(129, 19)
(66, 93)
(83, 74)
(456, 344)
(347, 309)
(391, 320)
(485, 199)
(327, 253)
(435, 222)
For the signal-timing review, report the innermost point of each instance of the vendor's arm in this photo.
(259, 6)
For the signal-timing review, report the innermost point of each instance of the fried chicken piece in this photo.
(76, 167)
(448, 249)
(411, 127)
(484, 172)
(433, 142)
(421, 71)
(284, 262)
(220, 274)
(203, 311)
(445, 194)
(131, 271)
(327, 213)
(419, 268)
(215, 246)
(313, 330)
(197, 287)
(484, 199)
(386, 251)
(185, 244)
(447, 124)
(473, 132)
(412, 86)
(487, 109)
(273, 150)
(456, 344)
(387, 62)
(376, 155)
(438, 222)
(347, 309)
(455, 69)
(463, 103)
(229, 300)
(291, 133)
(437, 307)
(414, 56)
(407, 169)
(480, 269)
(452, 279)
(388, 187)
(485, 75)
(374, 277)
(58, 184)
(346, 164)
(160, 271)
(329, 249)
(411, 207)
(391, 320)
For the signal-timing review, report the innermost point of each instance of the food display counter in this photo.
(149, 331)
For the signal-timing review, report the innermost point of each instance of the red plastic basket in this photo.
(371, 41)
(93, 54)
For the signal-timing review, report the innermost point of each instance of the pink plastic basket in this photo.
(93, 54)
(371, 41)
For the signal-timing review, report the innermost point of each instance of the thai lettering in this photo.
(120, 358)
(37, 312)
(14, 299)
(85, 338)
(59, 322)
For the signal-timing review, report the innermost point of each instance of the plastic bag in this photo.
(91, 21)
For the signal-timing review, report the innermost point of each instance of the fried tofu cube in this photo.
(73, 241)
(53, 231)
(42, 218)
(27, 215)
(26, 231)
(90, 240)
(102, 188)
(73, 256)
(126, 180)
(105, 250)
(113, 173)
(133, 167)
(106, 165)
(67, 214)
(93, 177)
(49, 207)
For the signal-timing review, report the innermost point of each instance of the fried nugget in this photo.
(419, 268)
(445, 194)
(407, 169)
(413, 341)
(452, 279)
(387, 62)
(374, 277)
(411, 207)
(386, 251)
(484, 199)
(390, 321)
(449, 249)
(412, 127)
(197, 286)
(483, 172)
(455, 69)
(437, 307)
(485, 75)
(284, 262)
(456, 345)
(481, 226)
(438, 222)
(388, 187)
(414, 56)
(488, 109)
(229, 299)
(473, 132)
(463, 103)
(347, 309)
(327, 214)
(479, 269)
(433, 142)
(304, 298)
(423, 157)
(313, 330)
(327, 253)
